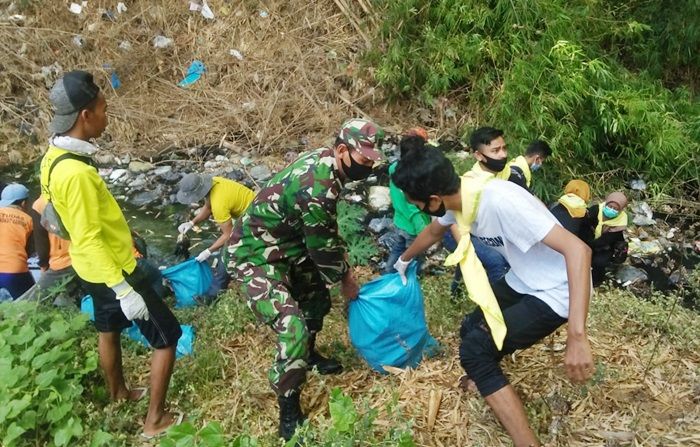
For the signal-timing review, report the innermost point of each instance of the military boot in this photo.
(322, 364)
(291, 416)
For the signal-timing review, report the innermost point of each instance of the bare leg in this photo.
(509, 410)
(162, 363)
(109, 349)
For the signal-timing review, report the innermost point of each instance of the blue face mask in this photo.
(610, 213)
(535, 167)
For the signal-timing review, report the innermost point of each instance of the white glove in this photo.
(401, 267)
(131, 302)
(185, 227)
(203, 256)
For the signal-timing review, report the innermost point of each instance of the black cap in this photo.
(71, 94)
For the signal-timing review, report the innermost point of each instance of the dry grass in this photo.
(298, 77)
(635, 398)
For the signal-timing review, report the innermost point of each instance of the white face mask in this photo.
(535, 166)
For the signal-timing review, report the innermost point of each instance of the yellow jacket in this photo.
(101, 246)
(503, 175)
(521, 163)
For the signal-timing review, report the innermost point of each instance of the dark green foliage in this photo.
(361, 247)
(556, 70)
(43, 369)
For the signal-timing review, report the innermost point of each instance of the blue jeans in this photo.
(494, 263)
(401, 241)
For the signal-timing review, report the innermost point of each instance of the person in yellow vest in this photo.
(101, 248)
(604, 231)
(15, 241)
(58, 279)
(549, 282)
(225, 200)
(571, 208)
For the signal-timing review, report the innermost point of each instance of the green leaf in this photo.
(14, 431)
(55, 414)
(342, 411)
(212, 435)
(244, 441)
(100, 438)
(45, 378)
(70, 429)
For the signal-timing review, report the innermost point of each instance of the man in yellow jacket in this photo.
(548, 285)
(101, 246)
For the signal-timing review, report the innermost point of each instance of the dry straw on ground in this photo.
(297, 77)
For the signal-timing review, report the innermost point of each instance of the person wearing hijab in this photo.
(570, 209)
(603, 230)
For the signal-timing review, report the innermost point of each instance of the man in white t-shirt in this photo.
(549, 281)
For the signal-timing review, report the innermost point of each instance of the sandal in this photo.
(177, 420)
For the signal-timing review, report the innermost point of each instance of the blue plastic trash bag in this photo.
(87, 307)
(194, 72)
(185, 345)
(387, 322)
(188, 279)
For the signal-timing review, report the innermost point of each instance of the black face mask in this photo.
(494, 164)
(439, 213)
(355, 171)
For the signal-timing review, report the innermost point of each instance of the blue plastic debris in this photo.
(114, 79)
(194, 72)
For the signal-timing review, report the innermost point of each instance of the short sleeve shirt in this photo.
(228, 199)
(514, 223)
(15, 231)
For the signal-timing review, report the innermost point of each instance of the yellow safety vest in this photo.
(473, 272)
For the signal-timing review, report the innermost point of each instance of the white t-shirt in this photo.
(514, 222)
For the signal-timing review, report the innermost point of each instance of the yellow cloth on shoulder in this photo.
(574, 204)
(620, 221)
(473, 272)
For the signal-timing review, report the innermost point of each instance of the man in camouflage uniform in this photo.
(286, 251)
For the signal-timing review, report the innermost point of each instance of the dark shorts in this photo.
(162, 329)
(528, 320)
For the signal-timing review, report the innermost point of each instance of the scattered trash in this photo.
(245, 161)
(642, 214)
(354, 198)
(114, 80)
(641, 220)
(203, 7)
(638, 185)
(124, 45)
(117, 174)
(627, 275)
(194, 72)
(260, 173)
(109, 15)
(643, 248)
(379, 224)
(121, 8)
(76, 8)
(78, 41)
(290, 156)
(235, 53)
(379, 199)
(162, 41)
(182, 247)
(140, 166)
(264, 14)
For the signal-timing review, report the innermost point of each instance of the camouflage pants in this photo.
(292, 300)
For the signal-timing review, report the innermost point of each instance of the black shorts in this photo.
(162, 329)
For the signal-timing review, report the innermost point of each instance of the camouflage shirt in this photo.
(294, 217)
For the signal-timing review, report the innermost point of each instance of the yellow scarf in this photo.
(619, 221)
(521, 163)
(575, 205)
(473, 272)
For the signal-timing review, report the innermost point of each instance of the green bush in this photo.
(43, 368)
(553, 69)
(361, 247)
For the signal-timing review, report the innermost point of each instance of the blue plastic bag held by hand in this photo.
(188, 280)
(387, 322)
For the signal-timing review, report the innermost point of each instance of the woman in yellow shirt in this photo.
(225, 200)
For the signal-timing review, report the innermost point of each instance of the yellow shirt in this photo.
(15, 231)
(101, 246)
(503, 175)
(228, 199)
